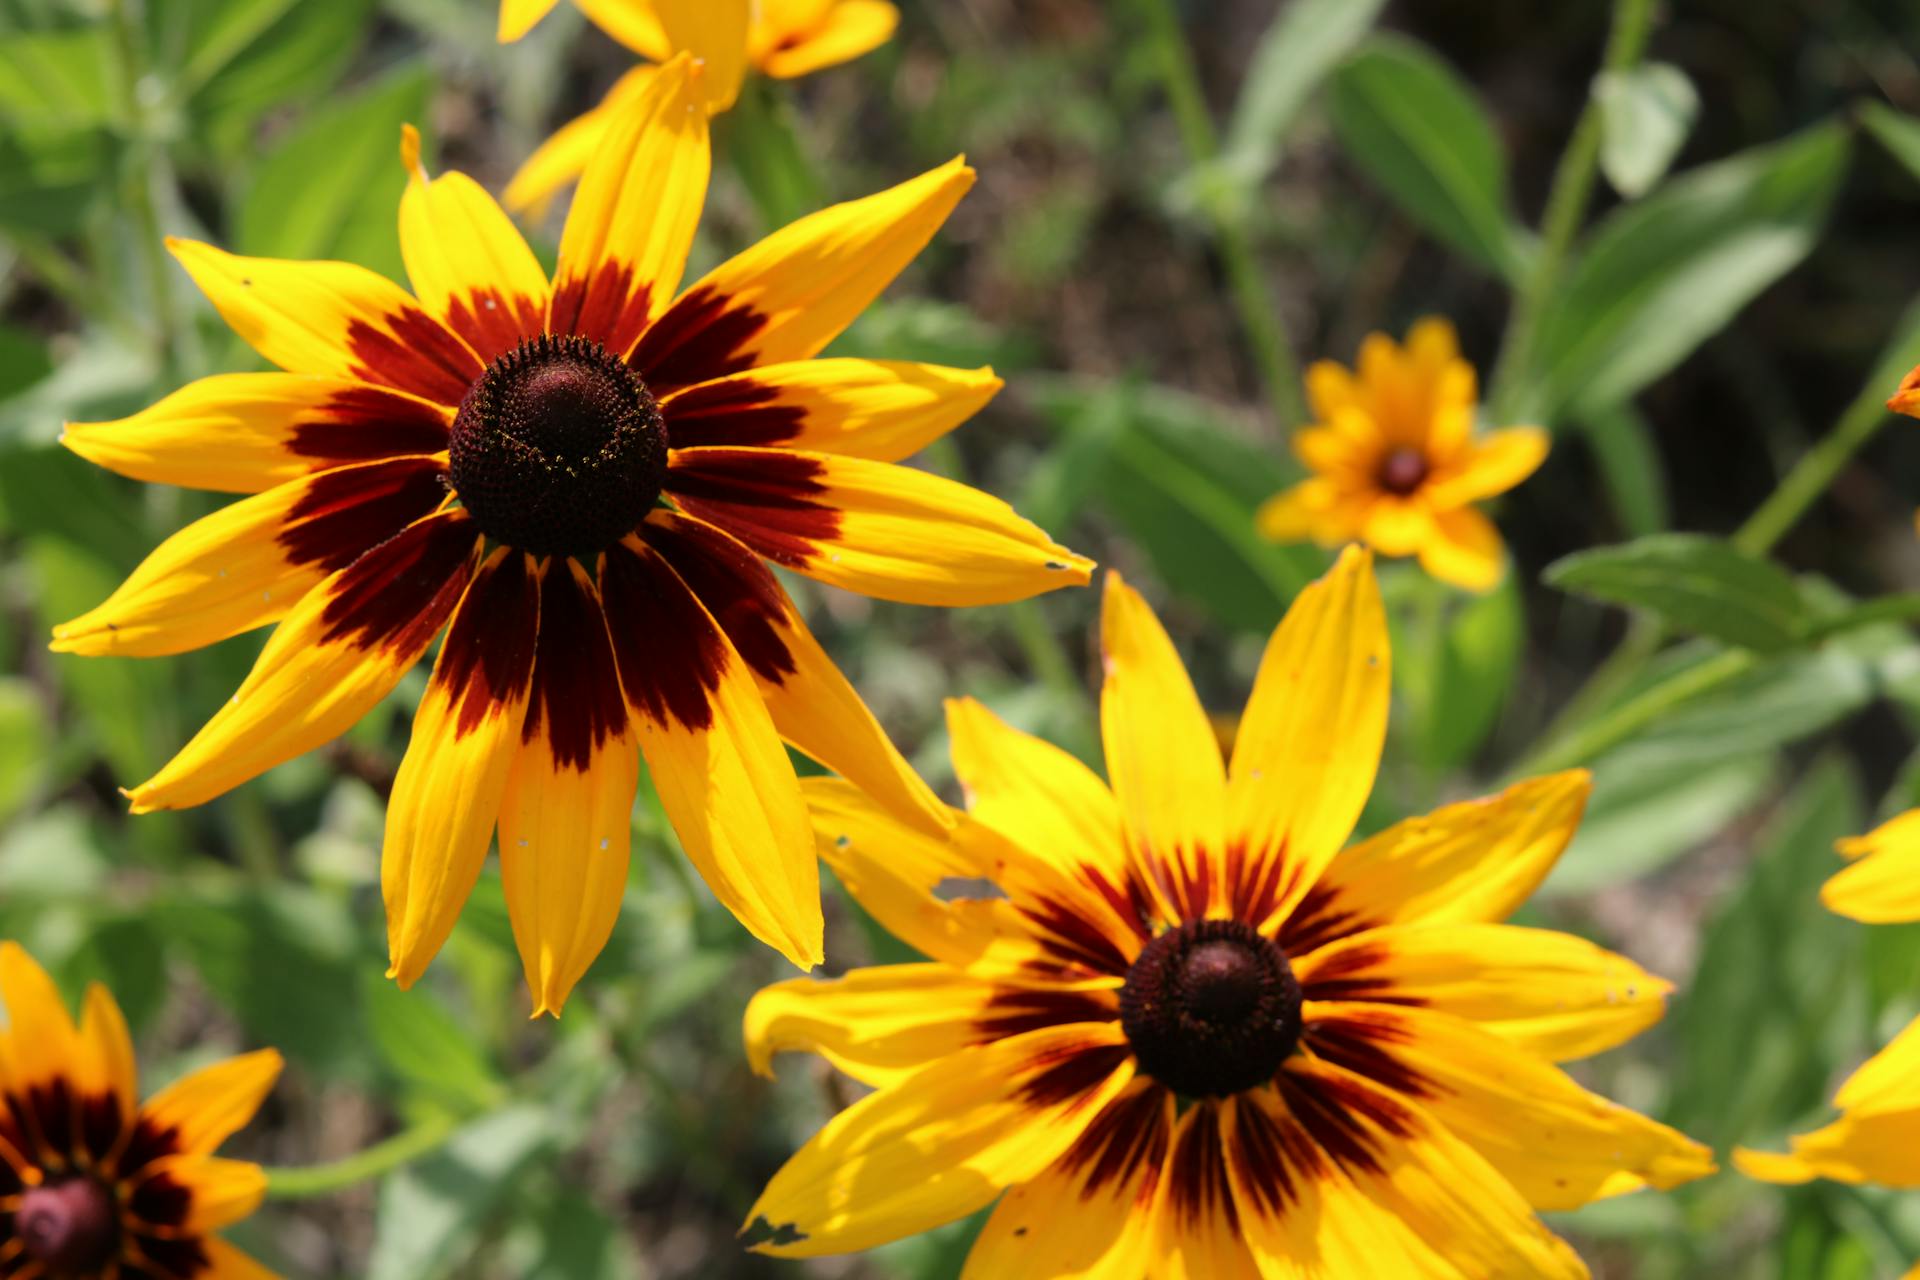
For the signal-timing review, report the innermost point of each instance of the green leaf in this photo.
(51, 174)
(1302, 44)
(580, 1242)
(1417, 130)
(26, 743)
(1662, 275)
(434, 1214)
(1699, 585)
(249, 55)
(24, 360)
(425, 1045)
(1897, 131)
(1474, 666)
(331, 188)
(1645, 812)
(62, 78)
(1775, 981)
(1645, 113)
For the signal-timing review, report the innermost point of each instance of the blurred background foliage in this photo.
(1679, 236)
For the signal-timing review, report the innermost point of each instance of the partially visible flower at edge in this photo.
(1876, 1137)
(1197, 1037)
(778, 38)
(582, 481)
(93, 1184)
(1907, 400)
(1395, 461)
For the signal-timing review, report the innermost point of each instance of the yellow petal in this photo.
(873, 527)
(850, 28)
(1883, 885)
(566, 814)
(879, 1025)
(517, 17)
(1889, 1080)
(338, 653)
(942, 1144)
(633, 23)
(1881, 1147)
(206, 1108)
(1332, 390)
(564, 155)
(723, 776)
(333, 319)
(250, 563)
(1560, 1145)
(1310, 509)
(886, 410)
(892, 870)
(1333, 452)
(792, 293)
(1493, 465)
(219, 1192)
(447, 794)
(1548, 992)
(224, 1262)
(1091, 1215)
(40, 1042)
(106, 1061)
(1162, 756)
(1310, 740)
(247, 432)
(1035, 794)
(813, 705)
(1396, 526)
(1399, 1195)
(632, 221)
(715, 33)
(468, 262)
(1469, 862)
(1465, 550)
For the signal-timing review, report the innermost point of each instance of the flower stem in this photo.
(1566, 209)
(1627, 719)
(1252, 298)
(1813, 473)
(145, 166)
(306, 1181)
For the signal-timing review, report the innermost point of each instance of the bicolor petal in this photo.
(248, 432)
(199, 1112)
(341, 649)
(564, 155)
(848, 29)
(872, 527)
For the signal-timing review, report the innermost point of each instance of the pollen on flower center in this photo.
(69, 1227)
(1211, 1008)
(558, 449)
(1403, 470)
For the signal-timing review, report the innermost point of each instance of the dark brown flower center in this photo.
(1403, 470)
(70, 1227)
(1211, 1008)
(558, 449)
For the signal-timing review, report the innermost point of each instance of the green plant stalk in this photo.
(1813, 473)
(1567, 201)
(143, 174)
(1259, 310)
(1603, 734)
(307, 1181)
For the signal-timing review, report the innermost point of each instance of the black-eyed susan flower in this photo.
(93, 1184)
(777, 38)
(1396, 464)
(1197, 1037)
(1876, 1137)
(583, 482)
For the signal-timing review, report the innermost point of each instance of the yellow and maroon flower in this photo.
(778, 38)
(95, 1186)
(1196, 1037)
(1876, 1137)
(583, 481)
(1395, 463)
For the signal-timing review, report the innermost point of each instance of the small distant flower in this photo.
(583, 482)
(1196, 1037)
(1396, 464)
(778, 38)
(95, 1186)
(1877, 1135)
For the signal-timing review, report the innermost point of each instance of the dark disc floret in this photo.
(1403, 470)
(70, 1227)
(558, 449)
(1211, 1008)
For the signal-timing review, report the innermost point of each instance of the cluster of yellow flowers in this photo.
(1196, 1033)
